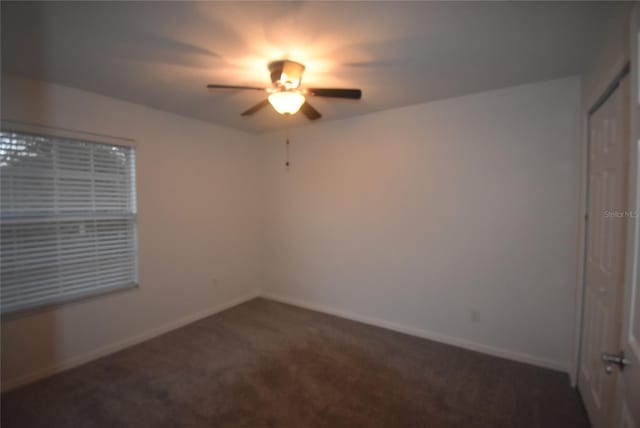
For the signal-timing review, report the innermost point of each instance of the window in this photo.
(68, 219)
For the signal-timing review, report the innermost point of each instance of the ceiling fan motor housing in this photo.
(286, 74)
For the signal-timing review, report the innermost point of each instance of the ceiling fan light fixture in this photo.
(286, 102)
(284, 94)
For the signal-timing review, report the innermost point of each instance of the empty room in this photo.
(320, 214)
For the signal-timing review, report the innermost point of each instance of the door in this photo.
(606, 252)
(628, 394)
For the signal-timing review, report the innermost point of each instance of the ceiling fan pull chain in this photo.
(287, 150)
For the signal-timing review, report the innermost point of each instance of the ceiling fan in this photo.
(285, 94)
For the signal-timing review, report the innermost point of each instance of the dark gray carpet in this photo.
(265, 364)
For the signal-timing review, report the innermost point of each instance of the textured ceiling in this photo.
(162, 54)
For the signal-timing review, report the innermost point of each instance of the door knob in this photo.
(617, 359)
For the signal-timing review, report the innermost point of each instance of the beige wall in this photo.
(453, 219)
(198, 220)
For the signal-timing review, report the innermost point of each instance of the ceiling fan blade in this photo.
(352, 94)
(233, 87)
(262, 104)
(310, 112)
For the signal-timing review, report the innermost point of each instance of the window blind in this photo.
(68, 219)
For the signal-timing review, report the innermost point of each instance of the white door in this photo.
(605, 260)
(628, 393)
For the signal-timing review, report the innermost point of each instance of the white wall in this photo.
(608, 55)
(198, 220)
(453, 219)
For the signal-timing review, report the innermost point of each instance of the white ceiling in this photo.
(162, 54)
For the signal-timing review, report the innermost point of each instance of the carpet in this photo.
(267, 364)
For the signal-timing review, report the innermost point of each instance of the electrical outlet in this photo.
(474, 315)
(214, 283)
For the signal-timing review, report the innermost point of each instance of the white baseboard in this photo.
(118, 346)
(425, 334)
(413, 331)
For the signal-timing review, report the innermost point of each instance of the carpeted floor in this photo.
(265, 364)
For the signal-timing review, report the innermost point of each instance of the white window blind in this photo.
(68, 219)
